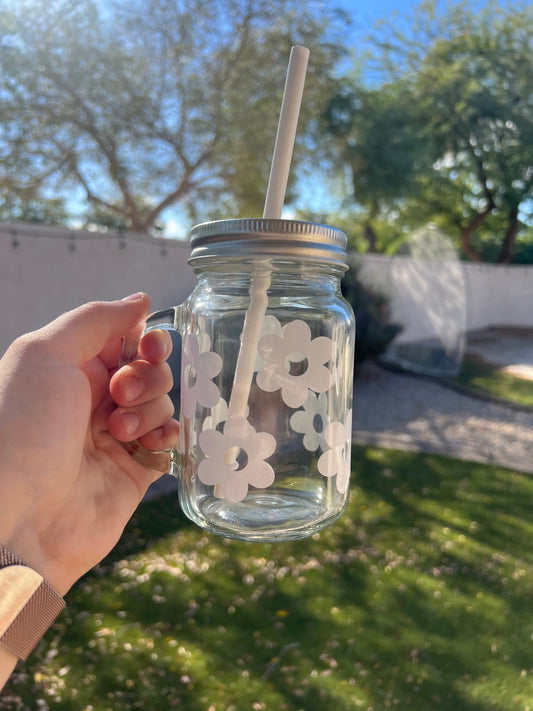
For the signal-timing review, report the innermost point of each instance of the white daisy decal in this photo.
(197, 370)
(235, 459)
(295, 363)
(312, 421)
(336, 461)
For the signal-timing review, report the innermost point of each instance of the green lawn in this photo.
(419, 598)
(495, 383)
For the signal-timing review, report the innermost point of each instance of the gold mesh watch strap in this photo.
(28, 605)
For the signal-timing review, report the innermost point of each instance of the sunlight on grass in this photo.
(495, 383)
(418, 598)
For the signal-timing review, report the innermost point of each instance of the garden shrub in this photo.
(374, 330)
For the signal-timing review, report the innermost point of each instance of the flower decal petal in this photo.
(336, 461)
(321, 349)
(261, 475)
(197, 371)
(209, 364)
(268, 377)
(295, 363)
(210, 441)
(235, 459)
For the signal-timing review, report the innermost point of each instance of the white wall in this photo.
(500, 297)
(45, 271)
(492, 295)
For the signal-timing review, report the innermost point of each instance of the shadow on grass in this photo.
(416, 599)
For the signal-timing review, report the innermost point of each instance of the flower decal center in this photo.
(189, 376)
(318, 423)
(295, 363)
(236, 459)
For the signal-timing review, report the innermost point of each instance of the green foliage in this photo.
(523, 253)
(384, 140)
(418, 598)
(29, 206)
(374, 331)
(446, 135)
(481, 113)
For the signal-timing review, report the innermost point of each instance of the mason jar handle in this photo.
(162, 461)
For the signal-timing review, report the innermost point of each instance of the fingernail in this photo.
(130, 421)
(134, 297)
(132, 387)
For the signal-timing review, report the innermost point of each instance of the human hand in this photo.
(67, 486)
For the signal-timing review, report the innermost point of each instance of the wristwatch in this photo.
(28, 605)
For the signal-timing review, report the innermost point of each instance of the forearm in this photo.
(8, 662)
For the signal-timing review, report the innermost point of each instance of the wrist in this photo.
(28, 605)
(26, 545)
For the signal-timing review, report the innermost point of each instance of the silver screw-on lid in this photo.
(268, 238)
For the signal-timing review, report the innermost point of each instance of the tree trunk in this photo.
(369, 231)
(370, 237)
(506, 253)
(469, 231)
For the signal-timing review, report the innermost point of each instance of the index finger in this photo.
(154, 347)
(81, 334)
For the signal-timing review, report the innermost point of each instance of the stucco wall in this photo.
(477, 295)
(45, 271)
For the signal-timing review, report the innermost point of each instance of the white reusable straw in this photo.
(277, 186)
(288, 121)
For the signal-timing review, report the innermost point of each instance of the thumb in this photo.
(80, 334)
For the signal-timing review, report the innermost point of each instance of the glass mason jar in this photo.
(267, 353)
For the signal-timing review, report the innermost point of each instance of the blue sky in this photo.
(365, 11)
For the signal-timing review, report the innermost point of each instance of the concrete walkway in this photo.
(402, 411)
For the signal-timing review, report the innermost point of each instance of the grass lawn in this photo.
(419, 598)
(495, 383)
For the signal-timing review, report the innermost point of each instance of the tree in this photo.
(475, 88)
(461, 123)
(141, 105)
(379, 135)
